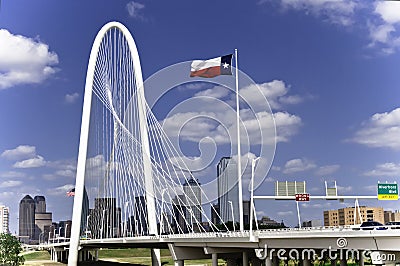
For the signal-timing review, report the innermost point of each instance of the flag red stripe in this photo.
(207, 72)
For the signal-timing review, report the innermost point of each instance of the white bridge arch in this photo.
(125, 185)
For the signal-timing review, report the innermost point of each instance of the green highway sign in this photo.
(388, 192)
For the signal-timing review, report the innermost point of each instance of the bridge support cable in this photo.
(135, 179)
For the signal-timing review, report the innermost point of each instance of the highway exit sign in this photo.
(302, 197)
(388, 192)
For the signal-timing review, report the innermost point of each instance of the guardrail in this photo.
(242, 234)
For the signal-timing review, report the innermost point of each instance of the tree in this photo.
(10, 248)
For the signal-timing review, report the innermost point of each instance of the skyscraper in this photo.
(105, 219)
(4, 219)
(40, 204)
(192, 190)
(228, 190)
(179, 208)
(215, 214)
(141, 227)
(246, 212)
(42, 218)
(27, 218)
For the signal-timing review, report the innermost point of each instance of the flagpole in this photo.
(239, 167)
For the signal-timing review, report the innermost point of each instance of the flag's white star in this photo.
(225, 65)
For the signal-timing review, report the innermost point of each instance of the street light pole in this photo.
(87, 225)
(253, 163)
(162, 210)
(41, 234)
(65, 230)
(126, 221)
(233, 218)
(59, 234)
(102, 224)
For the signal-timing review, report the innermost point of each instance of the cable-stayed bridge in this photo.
(133, 189)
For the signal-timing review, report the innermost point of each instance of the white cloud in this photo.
(25, 156)
(19, 153)
(380, 18)
(66, 173)
(261, 213)
(316, 205)
(298, 165)
(35, 162)
(192, 86)
(65, 168)
(215, 92)
(61, 190)
(389, 11)
(221, 126)
(385, 31)
(10, 183)
(275, 92)
(385, 169)
(344, 189)
(327, 169)
(270, 179)
(287, 125)
(285, 213)
(339, 12)
(71, 98)
(63, 164)
(381, 130)
(217, 120)
(6, 194)
(381, 33)
(49, 176)
(371, 188)
(134, 9)
(275, 168)
(24, 60)
(12, 174)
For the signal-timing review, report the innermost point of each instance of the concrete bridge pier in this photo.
(58, 254)
(214, 259)
(155, 257)
(245, 258)
(179, 262)
(268, 261)
(87, 255)
(361, 260)
(275, 261)
(305, 262)
(180, 254)
(255, 262)
(53, 254)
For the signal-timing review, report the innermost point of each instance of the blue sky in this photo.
(329, 70)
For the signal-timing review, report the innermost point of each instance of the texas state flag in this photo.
(212, 67)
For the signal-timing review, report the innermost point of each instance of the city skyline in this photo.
(329, 72)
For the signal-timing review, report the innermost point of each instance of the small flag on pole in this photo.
(212, 67)
(71, 193)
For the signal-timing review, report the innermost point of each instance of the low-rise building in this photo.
(4, 219)
(312, 223)
(351, 215)
(391, 216)
(265, 220)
